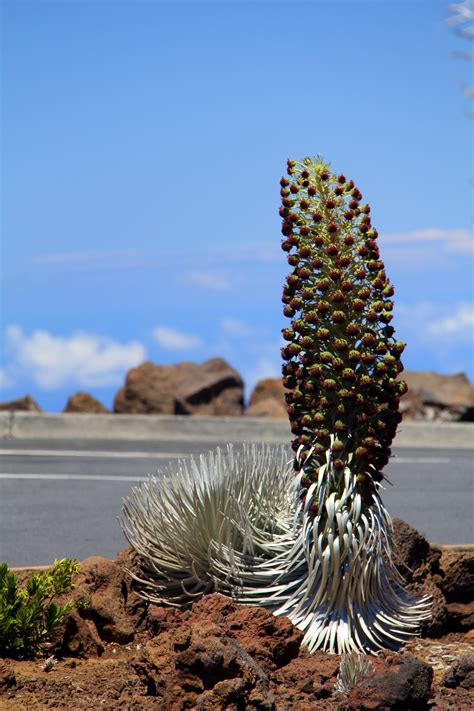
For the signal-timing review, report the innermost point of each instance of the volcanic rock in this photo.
(400, 682)
(83, 402)
(267, 399)
(432, 396)
(26, 404)
(212, 388)
(457, 575)
(461, 673)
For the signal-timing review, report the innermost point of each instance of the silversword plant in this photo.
(312, 541)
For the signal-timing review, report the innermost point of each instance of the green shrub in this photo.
(29, 614)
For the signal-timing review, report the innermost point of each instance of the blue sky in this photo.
(143, 145)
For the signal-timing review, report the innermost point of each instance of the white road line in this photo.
(73, 477)
(420, 460)
(90, 453)
(167, 455)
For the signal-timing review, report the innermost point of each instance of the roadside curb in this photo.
(45, 426)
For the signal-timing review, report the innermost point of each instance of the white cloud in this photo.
(6, 379)
(459, 323)
(453, 240)
(210, 280)
(176, 340)
(237, 327)
(83, 359)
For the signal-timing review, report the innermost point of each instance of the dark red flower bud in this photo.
(290, 166)
(339, 426)
(332, 228)
(293, 260)
(365, 219)
(322, 306)
(330, 204)
(304, 174)
(338, 317)
(337, 297)
(398, 347)
(323, 334)
(365, 208)
(284, 192)
(304, 272)
(304, 250)
(369, 339)
(306, 342)
(352, 329)
(329, 384)
(356, 194)
(363, 227)
(293, 217)
(368, 358)
(286, 246)
(348, 374)
(324, 175)
(311, 317)
(360, 273)
(311, 191)
(317, 217)
(294, 189)
(284, 182)
(402, 387)
(344, 260)
(338, 464)
(366, 381)
(386, 317)
(332, 250)
(349, 185)
(388, 290)
(341, 179)
(347, 285)
(323, 285)
(325, 357)
(288, 334)
(287, 202)
(289, 311)
(354, 356)
(315, 370)
(353, 204)
(307, 293)
(304, 231)
(282, 211)
(296, 303)
(363, 250)
(317, 263)
(349, 240)
(349, 215)
(335, 274)
(318, 240)
(363, 293)
(339, 191)
(358, 305)
(304, 204)
(372, 316)
(340, 344)
(373, 265)
(285, 227)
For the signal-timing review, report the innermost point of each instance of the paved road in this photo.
(62, 498)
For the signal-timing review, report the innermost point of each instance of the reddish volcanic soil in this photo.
(120, 653)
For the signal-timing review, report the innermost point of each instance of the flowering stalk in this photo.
(340, 374)
(342, 360)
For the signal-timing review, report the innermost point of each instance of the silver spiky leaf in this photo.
(233, 522)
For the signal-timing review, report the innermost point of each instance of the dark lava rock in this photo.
(400, 682)
(460, 674)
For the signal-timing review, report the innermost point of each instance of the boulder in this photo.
(267, 399)
(25, 404)
(212, 388)
(432, 396)
(399, 682)
(83, 402)
(457, 575)
(461, 673)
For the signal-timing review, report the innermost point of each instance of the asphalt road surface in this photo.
(62, 498)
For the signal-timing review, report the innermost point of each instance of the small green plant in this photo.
(352, 668)
(29, 614)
